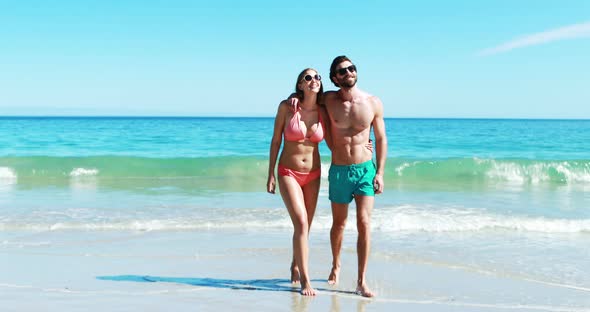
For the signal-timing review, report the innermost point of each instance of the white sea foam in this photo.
(83, 172)
(401, 168)
(507, 171)
(573, 175)
(538, 172)
(514, 172)
(395, 219)
(325, 170)
(7, 175)
(411, 219)
(19, 244)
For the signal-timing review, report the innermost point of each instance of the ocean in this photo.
(499, 197)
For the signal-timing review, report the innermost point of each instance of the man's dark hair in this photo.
(335, 62)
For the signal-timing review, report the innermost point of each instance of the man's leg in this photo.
(364, 207)
(339, 215)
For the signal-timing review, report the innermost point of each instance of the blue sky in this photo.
(472, 59)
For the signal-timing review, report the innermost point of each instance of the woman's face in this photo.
(311, 82)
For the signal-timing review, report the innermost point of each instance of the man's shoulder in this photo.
(373, 99)
(367, 95)
(330, 94)
(330, 97)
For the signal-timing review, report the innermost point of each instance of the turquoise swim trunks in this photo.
(349, 180)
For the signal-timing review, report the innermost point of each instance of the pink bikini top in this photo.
(296, 129)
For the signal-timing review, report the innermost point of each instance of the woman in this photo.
(299, 121)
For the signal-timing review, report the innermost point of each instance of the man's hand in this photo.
(378, 184)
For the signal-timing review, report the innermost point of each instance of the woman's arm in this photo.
(275, 146)
(326, 123)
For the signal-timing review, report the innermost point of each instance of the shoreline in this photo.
(213, 270)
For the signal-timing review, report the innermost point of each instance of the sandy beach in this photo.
(237, 270)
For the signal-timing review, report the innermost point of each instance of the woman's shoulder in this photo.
(284, 105)
(290, 103)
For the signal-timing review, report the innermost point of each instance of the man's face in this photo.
(346, 74)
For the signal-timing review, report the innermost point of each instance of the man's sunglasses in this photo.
(342, 71)
(310, 77)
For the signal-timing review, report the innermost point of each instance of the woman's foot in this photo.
(295, 278)
(364, 291)
(333, 278)
(307, 290)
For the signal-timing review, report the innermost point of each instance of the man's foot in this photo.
(363, 290)
(307, 290)
(295, 278)
(333, 278)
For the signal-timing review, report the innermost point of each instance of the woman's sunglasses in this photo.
(310, 77)
(342, 71)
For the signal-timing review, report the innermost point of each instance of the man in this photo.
(352, 174)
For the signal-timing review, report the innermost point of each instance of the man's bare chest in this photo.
(350, 114)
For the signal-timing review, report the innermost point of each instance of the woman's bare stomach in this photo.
(300, 158)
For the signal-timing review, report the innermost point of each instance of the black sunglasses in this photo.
(342, 71)
(310, 77)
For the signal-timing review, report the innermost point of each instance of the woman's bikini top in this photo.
(296, 130)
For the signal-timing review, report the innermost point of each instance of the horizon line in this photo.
(254, 117)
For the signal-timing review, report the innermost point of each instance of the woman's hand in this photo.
(271, 184)
(369, 145)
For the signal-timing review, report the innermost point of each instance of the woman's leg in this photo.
(294, 200)
(310, 197)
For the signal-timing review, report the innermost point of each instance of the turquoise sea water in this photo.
(525, 168)
(472, 193)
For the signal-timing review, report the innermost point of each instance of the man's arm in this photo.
(380, 145)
